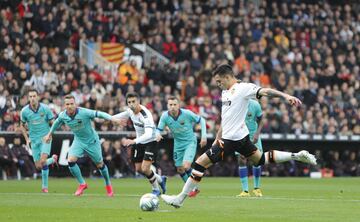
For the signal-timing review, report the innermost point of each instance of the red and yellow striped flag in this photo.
(112, 52)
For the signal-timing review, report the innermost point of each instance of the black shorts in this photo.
(147, 151)
(244, 146)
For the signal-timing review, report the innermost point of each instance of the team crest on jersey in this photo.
(79, 121)
(232, 91)
(182, 123)
(42, 114)
(249, 115)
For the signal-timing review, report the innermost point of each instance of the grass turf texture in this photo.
(285, 199)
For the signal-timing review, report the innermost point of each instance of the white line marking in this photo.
(201, 197)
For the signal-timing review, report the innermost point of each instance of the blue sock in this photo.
(105, 173)
(184, 176)
(76, 172)
(256, 174)
(243, 173)
(45, 176)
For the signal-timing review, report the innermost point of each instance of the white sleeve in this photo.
(146, 136)
(122, 115)
(249, 90)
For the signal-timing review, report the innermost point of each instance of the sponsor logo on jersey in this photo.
(139, 125)
(226, 103)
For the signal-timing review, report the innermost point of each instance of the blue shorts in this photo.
(39, 147)
(78, 148)
(184, 151)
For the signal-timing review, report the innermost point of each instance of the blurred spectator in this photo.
(166, 165)
(25, 163)
(8, 160)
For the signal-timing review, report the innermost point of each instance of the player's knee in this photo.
(145, 169)
(242, 161)
(100, 165)
(38, 165)
(261, 161)
(198, 172)
(215, 153)
(42, 162)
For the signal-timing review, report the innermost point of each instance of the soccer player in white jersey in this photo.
(144, 147)
(233, 134)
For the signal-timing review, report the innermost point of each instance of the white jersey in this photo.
(141, 120)
(234, 108)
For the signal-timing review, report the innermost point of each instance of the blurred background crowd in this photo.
(310, 49)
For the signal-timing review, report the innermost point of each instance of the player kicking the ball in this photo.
(233, 134)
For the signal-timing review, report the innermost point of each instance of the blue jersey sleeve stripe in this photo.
(96, 113)
(159, 129)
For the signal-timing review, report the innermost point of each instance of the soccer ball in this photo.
(149, 202)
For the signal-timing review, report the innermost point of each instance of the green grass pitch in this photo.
(285, 199)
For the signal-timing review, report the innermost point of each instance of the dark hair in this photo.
(131, 95)
(69, 96)
(33, 90)
(173, 98)
(223, 70)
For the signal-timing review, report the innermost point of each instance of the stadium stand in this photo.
(310, 50)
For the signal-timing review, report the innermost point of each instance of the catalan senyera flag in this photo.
(112, 52)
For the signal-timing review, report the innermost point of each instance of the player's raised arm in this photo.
(121, 118)
(268, 92)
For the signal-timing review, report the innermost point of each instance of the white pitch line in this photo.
(202, 197)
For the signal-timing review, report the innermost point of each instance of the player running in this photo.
(86, 140)
(144, 147)
(36, 119)
(181, 123)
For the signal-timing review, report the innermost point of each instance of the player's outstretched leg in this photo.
(105, 173)
(191, 183)
(275, 156)
(75, 171)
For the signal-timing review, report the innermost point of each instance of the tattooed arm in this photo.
(268, 92)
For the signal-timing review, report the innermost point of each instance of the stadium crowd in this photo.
(307, 50)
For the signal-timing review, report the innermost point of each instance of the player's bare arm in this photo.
(218, 137)
(268, 92)
(257, 133)
(23, 128)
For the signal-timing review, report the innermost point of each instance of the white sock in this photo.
(154, 183)
(279, 156)
(158, 177)
(189, 186)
